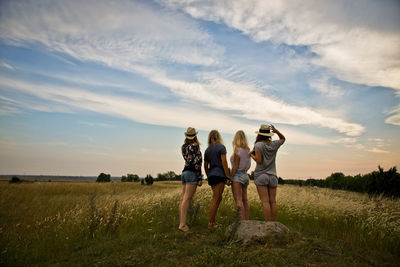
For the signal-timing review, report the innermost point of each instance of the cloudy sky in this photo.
(110, 86)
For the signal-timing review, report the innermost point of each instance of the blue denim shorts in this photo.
(241, 177)
(189, 177)
(266, 179)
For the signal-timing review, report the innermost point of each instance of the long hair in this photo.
(262, 138)
(239, 140)
(214, 138)
(191, 141)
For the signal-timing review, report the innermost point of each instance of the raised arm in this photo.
(281, 137)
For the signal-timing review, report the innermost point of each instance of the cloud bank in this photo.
(147, 39)
(358, 41)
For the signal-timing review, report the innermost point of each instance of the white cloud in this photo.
(149, 112)
(139, 38)
(379, 151)
(6, 65)
(249, 102)
(358, 42)
(118, 34)
(325, 87)
(394, 117)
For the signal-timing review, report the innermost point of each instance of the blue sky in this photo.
(110, 86)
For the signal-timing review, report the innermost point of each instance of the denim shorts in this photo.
(266, 179)
(241, 177)
(189, 177)
(214, 180)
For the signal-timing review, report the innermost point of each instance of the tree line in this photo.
(376, 182)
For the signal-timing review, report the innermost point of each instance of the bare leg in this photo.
(187, 195)
(272, 202)
(217, 197)
(237, 195)
(246, 207)
(264, 197)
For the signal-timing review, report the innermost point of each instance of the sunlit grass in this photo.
(60, 222)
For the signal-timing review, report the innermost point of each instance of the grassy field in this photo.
(123, 224)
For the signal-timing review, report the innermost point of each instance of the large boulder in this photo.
(248, 230)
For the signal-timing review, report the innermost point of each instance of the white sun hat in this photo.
(265, 130)
(190, 133)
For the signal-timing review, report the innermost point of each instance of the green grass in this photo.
(133, 225)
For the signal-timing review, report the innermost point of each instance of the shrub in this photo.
(103, 178)
(130, 178)
(149, 179)
(15, 180)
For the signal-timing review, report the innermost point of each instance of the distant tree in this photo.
(281, 181)
(103, 178)
(142, 182)
(15, 180)
(149, 179)
(130, 178)
(133, 177)
(170, 175)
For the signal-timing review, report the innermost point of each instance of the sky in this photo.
(111, 86)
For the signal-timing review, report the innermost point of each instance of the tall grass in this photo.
(128, 224)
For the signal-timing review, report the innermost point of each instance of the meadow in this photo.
(128, 224)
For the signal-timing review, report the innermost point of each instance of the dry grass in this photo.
(34, 218)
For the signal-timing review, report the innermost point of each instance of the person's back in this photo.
(268, 152)
(213, 156)
(245, 162)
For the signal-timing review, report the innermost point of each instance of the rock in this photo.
(248, 230)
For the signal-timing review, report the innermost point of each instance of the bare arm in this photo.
(236, 162)
(225, 165)
(281, 137)
(257, 157)
(206, 167)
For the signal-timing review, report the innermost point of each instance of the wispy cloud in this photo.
(139, 38)
(394, 116)
(379, 151)
(356, 42)
(248, 101)
(147, 112)
(6, 65)
(118, 34)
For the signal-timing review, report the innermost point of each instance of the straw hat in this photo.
(190, 133)
(265, 130)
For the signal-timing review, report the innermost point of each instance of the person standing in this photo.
(240, 162)
(265, 177)
(191, 174)
(216, 168)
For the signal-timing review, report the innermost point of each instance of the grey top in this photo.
(244, 164)
(213, 156)
(268, 153)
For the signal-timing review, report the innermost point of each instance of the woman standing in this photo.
(216, 168)
(265, 178)
(191, 174)
(240, 162)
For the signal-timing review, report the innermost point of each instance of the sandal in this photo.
(213, 225)
(184, 229)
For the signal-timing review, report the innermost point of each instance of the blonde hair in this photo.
(214, 138)
(239, 141)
